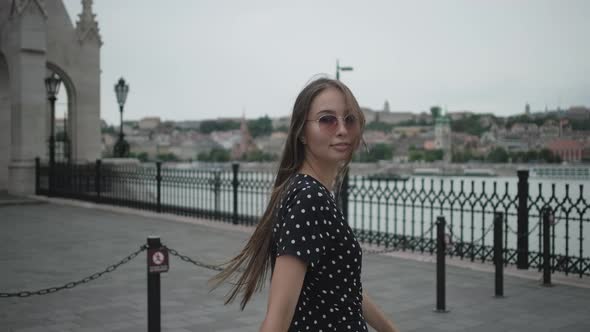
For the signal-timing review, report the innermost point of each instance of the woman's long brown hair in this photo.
(254, 260)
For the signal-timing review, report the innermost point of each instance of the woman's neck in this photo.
(326, 175)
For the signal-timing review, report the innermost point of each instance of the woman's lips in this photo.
(341, 147)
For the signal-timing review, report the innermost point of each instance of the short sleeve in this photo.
(300, 232)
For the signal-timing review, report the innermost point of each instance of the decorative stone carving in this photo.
(87, 26)
(19, 6)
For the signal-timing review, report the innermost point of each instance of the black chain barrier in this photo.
(458, 240)
(513, 231)
(192, 261)
(368, 252)
(73, 284)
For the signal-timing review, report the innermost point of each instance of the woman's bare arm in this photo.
(375, 317)
(285, 286)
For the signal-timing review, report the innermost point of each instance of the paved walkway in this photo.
(51, 244)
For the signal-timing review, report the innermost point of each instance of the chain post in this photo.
(498, 254)
(97, 178)
(440, 265)
(159, 186)
(153, 284)
(37, 175)
(235, 168)
(522, 240)
(547, 220)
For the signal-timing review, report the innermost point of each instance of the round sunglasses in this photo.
(329, 122)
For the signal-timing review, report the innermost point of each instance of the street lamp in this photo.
(121, 149)
(339, 69)
(52, 83)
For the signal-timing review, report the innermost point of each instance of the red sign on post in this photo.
(158, 260)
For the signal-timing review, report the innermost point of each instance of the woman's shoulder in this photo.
(304, 186)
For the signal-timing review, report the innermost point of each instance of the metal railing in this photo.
(396, 215)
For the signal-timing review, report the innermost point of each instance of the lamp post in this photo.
(339, 69)
(66, 139)
(52, 83)
(121, 149)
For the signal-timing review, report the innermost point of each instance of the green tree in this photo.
(498, 155)
(215, 155)
(379, 126)
(470, 124)
(433, 155)
(531, 155)
(260, 127)
(380, 151)
(142, 156)
(209, 126)
(259, 155)
(548, 156)
(164, 157)
(109, 130)
(580, 125)
(283, 129)
(463, 156)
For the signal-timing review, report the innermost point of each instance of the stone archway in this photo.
(37, 37)
(65, 143)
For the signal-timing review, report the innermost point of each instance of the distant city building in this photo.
(459, 115)
(578, 113)
(442, 136)
(245, 144)
(282, 122)
(512, 144)
(550, 129)
(226, 139)
(410, 131)
(273, 143)
(189, 124)
(430, 145)
(386, 116)
(525, 129)
(149, 123)
(373, 137)
(568, 150)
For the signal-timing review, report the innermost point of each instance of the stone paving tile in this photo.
(48, 245)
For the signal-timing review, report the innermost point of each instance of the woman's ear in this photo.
(302, 139)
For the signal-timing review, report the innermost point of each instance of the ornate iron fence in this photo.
(396, 215)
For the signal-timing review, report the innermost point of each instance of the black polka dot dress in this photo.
(310, 227)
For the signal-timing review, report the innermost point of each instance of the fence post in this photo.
(154, 323)
(499, 254)
(235, 168)
(440, 265)
(37, 175)
(522, 239)
(547, 220)
(159, 186)
(344, 195)
(97, 178)
(217, 193)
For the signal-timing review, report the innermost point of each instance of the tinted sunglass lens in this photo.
(328, 121)
(350, 120)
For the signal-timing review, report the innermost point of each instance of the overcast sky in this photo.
(187, 59)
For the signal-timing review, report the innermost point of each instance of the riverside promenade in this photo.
(56, 242)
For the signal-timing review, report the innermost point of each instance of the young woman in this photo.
(314, 257)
